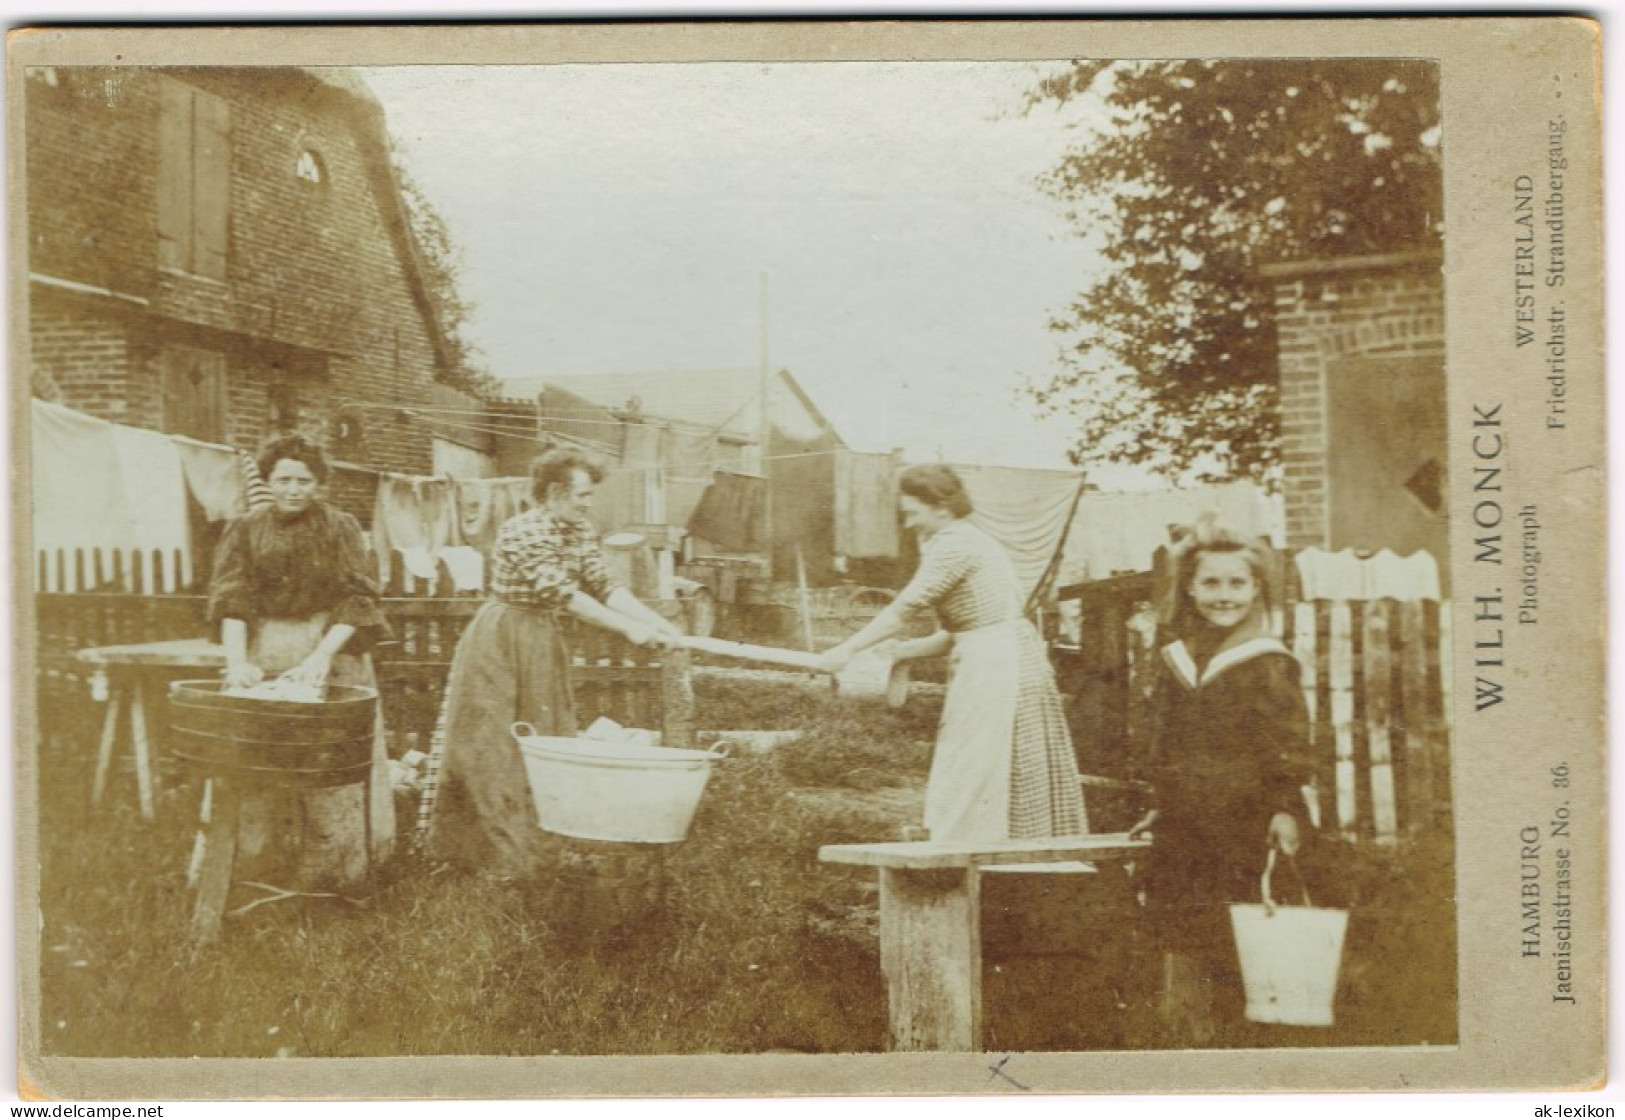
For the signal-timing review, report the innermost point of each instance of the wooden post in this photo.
(1378, 705)
(143, 750)
(219, 857)
(931, 955)
(1340, 673)
(104, 753)
(1418, 725)
(676, 699)
(1303, 648)
(804, 600)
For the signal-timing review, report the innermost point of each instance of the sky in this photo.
(622, 218)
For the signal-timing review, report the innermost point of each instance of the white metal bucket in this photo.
(1290, 956)
(626, 792)
(874, 675)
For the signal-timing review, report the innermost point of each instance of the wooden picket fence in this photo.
(1376, 678)
(119, 603)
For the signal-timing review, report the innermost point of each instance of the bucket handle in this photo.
(1264, 883)
(523, 730)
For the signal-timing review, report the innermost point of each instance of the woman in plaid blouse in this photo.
(512, 665)
(1003, 765)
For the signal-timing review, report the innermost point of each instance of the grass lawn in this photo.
(751, 946)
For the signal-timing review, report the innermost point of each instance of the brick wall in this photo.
(318, 310)
(1386, 306)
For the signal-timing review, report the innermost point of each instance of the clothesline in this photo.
(491, 416)
(717, 464)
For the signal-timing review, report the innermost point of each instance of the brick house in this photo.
(223, 253)
(1362, 368)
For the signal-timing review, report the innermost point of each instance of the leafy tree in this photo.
(1199, 172)
(441, 260)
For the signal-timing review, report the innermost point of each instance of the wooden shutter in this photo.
(194, 393)
(174, 175)
(211, 184)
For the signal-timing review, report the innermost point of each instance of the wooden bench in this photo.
(930, 924)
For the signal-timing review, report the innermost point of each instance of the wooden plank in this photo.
(1414, 701)
(1438, 640)
(931, 956)
(947, 854)
(143, 749)
(104, 752)
(1340, 676)
(1303, 648)
(1378, 717)
(219, 857)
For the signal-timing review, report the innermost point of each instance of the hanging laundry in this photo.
(1121, 532)
(214, 476)
(108, 487)
(689, 456)
(413, 513)
(155, 485)
(483, 504)
(865, 505)
(259, 494)
(732, 513)
(467, 567)
(1024, 510)
(1345, 575)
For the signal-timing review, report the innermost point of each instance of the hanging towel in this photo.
(258, 493)
(1121, 532)
(483, 504)
(1024, 510)
(107, 487)
(732, 513)
(413, 513)
(78, 500)
(214, 476)
(690, 456)
(467, 567)
(154, 482)
(865, 505)
(420, 563)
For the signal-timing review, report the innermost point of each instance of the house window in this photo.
(194, 393)
(194, 180)
(308, 168)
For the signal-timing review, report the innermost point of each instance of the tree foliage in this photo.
(441, 261)
(1201, 172)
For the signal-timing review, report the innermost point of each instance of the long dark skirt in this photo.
(511, 665)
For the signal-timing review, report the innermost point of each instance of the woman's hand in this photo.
(1143, 825)
(1283, 834)
(642, 634)
(242, 674)
(312, 670)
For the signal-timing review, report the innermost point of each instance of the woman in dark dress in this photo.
(1229, 763)
(294, 595)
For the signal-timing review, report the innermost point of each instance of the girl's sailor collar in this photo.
(1180, 661)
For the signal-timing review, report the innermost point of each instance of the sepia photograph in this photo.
(697, 552)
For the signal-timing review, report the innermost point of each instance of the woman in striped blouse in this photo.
(512, 665)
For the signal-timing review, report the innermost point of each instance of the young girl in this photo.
(1229, 765)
